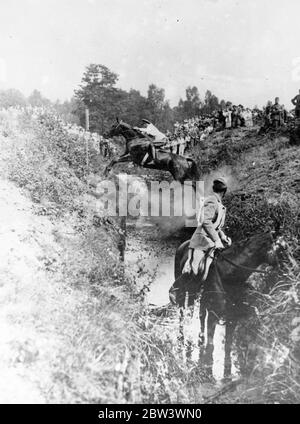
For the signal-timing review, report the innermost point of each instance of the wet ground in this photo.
(149, 260)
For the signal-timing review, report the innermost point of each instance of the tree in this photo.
(155, 103)
(70, 110)
(98, 92)
(167, 118)
(134, 107)
(11, 98)
(211, 102)
(222, 104)
(191, 106)
(37, 99)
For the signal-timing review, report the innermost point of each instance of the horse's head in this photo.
(267, 247)
(275, 245)
(115, 129)
(119, 128)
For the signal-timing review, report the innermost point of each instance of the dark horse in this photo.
(223, 292)
(137, 146)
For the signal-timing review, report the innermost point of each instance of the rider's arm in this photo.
(222, 235)
(224, 238)
(142, 130)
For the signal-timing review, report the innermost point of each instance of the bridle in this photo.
(278, 244)
(246, 268)
(125, 131)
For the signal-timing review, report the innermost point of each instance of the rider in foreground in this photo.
(208, 235)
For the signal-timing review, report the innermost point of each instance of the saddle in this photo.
(204, 264)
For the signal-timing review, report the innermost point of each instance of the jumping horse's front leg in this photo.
(124, 158)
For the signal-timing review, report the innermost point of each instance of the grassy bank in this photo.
(263, 175)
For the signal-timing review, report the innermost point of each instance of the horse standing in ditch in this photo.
(221, 297)
(137, 146)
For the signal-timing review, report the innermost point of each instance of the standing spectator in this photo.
(221, 119)
(234, 117)
(227, 114)
(241, 119)
(248, 117)
(296, 102)
(277, 114)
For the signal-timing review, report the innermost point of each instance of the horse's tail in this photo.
(181, 251)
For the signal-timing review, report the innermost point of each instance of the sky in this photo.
(246, 51)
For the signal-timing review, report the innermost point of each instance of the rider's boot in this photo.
(145, 159)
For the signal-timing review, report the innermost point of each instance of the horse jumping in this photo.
(137, 146)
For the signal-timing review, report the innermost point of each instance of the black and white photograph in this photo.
(149, 205)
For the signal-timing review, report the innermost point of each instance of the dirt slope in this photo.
(64, 300)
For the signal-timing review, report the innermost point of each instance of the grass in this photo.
(76, 328)
(75, 324)
(264, 194)
(76, 310)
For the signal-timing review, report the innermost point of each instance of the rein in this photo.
(242, 266)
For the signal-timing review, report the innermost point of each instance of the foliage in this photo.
(83, 327)
(99, 93)
(11, 98)
(191, 106)
(264, 195)
(36, 99)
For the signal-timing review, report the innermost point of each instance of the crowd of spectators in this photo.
(102, 145)
(196, 129)
(275, 115)
(191, 131)
(272, 116)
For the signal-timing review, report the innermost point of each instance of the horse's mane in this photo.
(237, 246)
(135, 130)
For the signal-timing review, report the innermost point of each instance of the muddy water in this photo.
(149, 260)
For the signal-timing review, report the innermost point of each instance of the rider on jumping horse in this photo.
(208, 235)
(158, 140)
